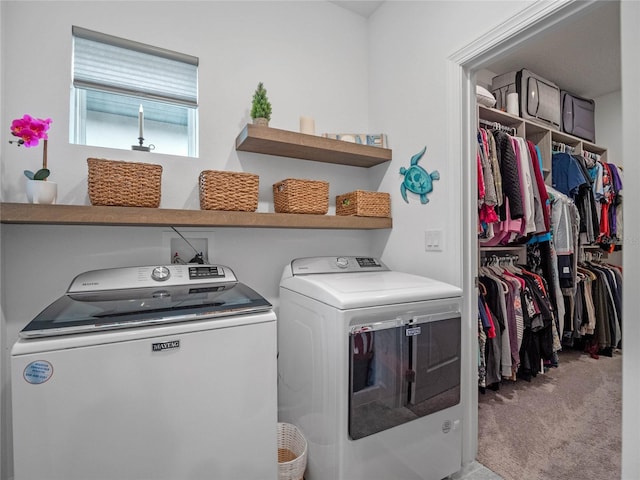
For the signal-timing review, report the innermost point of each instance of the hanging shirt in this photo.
(566, 174)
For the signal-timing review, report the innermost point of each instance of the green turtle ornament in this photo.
(417, 179)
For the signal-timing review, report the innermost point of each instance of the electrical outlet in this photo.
(181, 251)
(433, 240)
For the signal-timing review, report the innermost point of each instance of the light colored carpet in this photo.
(564, 425)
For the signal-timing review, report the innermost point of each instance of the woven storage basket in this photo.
(292, 452)
(301, 196)
(124, 184)
(228, 191)
(364, 204)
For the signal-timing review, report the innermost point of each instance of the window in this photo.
(113, 78)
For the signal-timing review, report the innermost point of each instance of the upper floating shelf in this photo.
(272, 141)
(27, 213)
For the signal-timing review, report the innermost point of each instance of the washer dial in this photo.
(160, 274)
(342, 262)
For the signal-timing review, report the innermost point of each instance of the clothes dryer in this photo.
(369, 369)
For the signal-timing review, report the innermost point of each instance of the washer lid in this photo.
(368, 289)
(98, 311)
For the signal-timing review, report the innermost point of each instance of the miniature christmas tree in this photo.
(261, 107)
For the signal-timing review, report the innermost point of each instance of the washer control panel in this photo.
(344, 264)
(150, 276)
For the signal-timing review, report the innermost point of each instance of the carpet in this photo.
(565, 424)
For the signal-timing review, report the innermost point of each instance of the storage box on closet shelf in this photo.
(231, 191)
(364, 204)
(124, 184)
(301, 196)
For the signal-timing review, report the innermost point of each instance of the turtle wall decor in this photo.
(417, 179)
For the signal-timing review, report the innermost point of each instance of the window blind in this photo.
(107, 63)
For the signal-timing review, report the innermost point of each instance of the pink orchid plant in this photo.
(30, 131)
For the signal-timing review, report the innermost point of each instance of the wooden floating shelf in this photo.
(283, 143)
(26, 213)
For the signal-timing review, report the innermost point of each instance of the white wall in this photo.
(609, 126)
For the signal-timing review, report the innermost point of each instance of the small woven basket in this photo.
(301, 196)
(364, 204)
(235, 191)
(124, 184)
(292, 452)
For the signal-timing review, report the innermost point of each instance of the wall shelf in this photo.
(265, 140)
(26, 213)
(284, 143)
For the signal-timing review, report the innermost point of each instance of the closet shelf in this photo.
(26, 213)
(284, 143)
(545, 138)
(535, 130)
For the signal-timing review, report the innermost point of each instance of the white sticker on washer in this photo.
(38, 372)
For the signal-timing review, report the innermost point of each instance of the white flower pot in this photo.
(40, 191)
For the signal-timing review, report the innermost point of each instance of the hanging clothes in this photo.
(571, 177)
(597, 316)
(525, 324)
(514, 206)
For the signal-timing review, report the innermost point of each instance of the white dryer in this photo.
(369, 369)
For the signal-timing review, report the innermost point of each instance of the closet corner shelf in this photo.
(284, 143)
(26, 213)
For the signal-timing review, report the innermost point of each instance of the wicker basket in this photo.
(301, 196)
(364, 204)
(236, 191)
(124, 184)
(292, 452)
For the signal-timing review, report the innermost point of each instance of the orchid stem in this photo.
(44, 154)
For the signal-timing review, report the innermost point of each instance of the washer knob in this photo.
(342, 262)
(160, 274)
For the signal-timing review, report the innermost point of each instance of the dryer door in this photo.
(435, 359)
(402, 370)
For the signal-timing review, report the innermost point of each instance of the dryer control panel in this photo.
(343, 264)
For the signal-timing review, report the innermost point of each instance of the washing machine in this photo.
(148, 373)
(369, 369)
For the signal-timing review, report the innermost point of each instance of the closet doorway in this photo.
(534, 26)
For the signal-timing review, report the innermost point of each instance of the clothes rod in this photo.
(591, 155)
(499, 260)
(498, 126)
(562, 147)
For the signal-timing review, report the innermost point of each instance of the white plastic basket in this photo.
(292, 452)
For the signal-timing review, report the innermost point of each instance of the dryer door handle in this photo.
(382, 325)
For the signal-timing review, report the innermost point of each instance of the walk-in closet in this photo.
(550, 224)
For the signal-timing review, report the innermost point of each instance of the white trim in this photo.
(461, 122)
(630, 38)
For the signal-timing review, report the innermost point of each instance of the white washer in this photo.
(151, 373)
(369, 369)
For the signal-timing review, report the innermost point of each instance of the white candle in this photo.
(141, 122)
(512, 104)
(307, 125)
